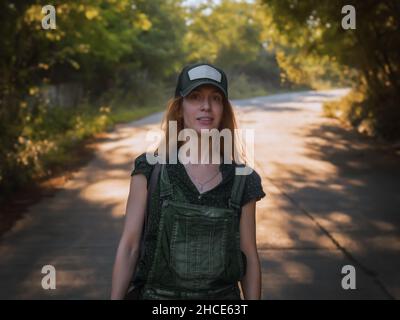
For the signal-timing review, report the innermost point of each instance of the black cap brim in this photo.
(201, 82)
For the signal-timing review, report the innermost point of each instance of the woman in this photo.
(200, 239)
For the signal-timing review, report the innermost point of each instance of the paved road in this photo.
(332, 200)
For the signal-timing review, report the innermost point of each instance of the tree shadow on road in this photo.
(356, 200)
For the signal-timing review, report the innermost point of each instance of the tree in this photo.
(312, 30)
(95, 43)
(232, 34)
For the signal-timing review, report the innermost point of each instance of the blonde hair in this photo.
(228, 121)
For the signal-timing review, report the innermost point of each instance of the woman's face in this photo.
(202, 108)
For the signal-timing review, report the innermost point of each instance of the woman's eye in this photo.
(217, 98)
(194, 96)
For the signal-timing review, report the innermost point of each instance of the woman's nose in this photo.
(206, 104)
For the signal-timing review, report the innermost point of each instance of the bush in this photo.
(349, 109)
(47, 139)
(240, 87)
(374, 116)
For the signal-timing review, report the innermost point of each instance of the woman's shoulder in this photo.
(242, 169)
(253, 189)
(142, 166)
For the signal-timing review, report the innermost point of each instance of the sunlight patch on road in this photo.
(346, 241)
(340, 217)
(298, 272)
(282, 225)
(384, 226)
(119, 210)
(385, 242)
(108, 191)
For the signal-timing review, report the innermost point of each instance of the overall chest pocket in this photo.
(200, 242)
(198, 247)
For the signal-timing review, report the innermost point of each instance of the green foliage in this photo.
(349, 109)
(308, 35)
(123, 54)
(47, 140)
(122, 115)
(232, 34)
(241, 88)
(107, 47)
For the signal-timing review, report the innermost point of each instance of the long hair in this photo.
(228, 121)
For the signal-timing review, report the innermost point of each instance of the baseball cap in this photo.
(197, 74)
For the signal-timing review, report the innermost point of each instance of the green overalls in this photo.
(197, 253)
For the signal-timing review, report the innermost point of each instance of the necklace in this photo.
(202, 184)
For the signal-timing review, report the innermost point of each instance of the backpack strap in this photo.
(237, 192)
(150, 190)
(151, 186)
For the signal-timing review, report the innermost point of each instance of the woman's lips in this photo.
(205, 120)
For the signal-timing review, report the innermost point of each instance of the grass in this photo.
(127, 115)
(242, 88)
(88, 128)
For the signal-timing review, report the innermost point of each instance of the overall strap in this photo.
(167, 190)
(237, 191)
(165, 185)
(152, 187)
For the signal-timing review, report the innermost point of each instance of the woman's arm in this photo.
(251, 282)
(128, 248)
